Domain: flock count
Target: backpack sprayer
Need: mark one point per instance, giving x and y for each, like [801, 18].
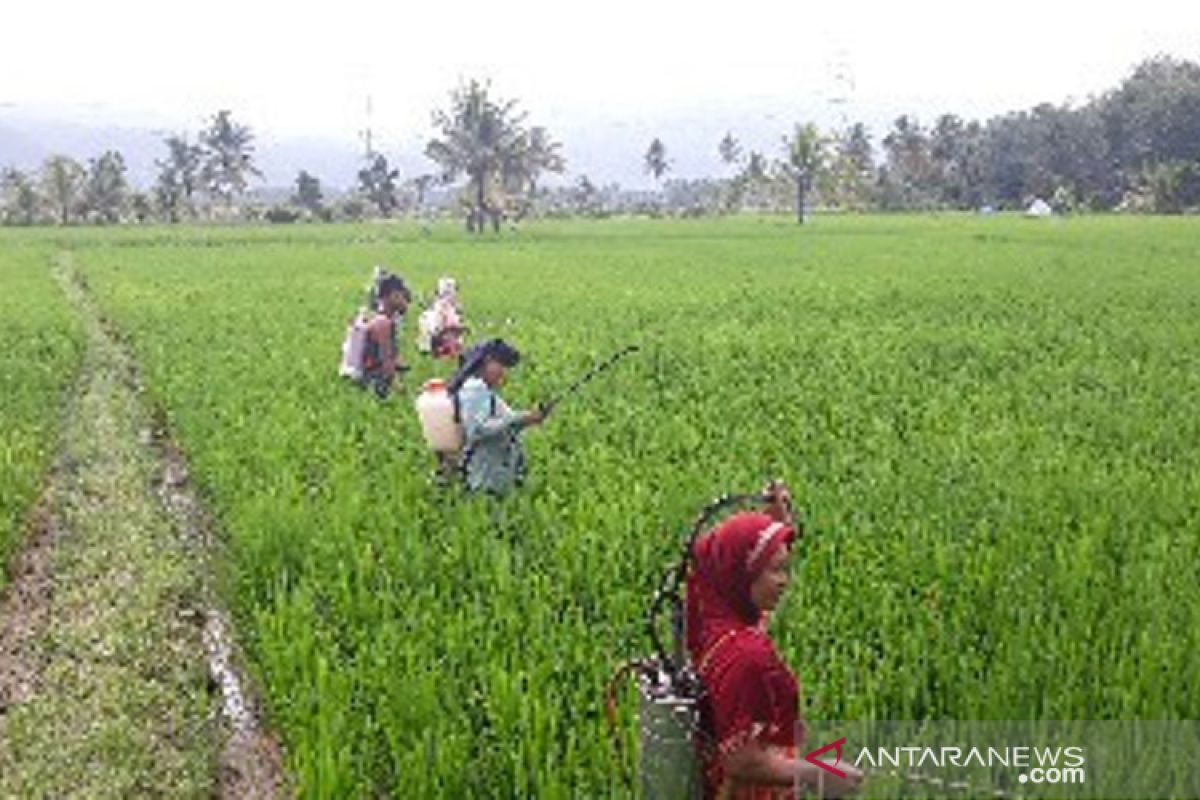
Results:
[669, 689]
[440, 421]
[354, 343]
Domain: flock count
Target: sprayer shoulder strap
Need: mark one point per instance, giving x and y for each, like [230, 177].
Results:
[454, 398]
[712, 650]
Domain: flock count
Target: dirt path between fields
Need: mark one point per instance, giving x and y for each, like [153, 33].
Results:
[118, 673]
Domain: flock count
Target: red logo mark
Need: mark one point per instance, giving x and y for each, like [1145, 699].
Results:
[825, 765]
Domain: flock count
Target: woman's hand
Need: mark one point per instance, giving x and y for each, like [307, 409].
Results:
[779, 501]
[752, 764]
[823, 783]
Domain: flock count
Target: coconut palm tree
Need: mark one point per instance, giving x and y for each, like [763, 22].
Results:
[478, 135]
[805, 154]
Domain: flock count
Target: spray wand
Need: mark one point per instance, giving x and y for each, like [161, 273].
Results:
[550, 404]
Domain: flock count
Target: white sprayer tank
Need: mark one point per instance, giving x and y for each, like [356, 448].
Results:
[435, 408]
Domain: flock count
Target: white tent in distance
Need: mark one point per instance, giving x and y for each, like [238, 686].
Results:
[1039, 208]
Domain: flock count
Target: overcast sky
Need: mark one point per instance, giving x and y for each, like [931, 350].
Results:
[291, 68]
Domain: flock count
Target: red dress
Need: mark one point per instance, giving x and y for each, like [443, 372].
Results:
[750, 693]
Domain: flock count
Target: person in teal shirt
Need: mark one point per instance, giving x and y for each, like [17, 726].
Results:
[494, 459]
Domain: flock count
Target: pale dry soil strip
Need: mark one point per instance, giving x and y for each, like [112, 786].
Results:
[115, 660]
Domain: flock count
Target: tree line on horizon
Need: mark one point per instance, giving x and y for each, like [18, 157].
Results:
[1135, 148]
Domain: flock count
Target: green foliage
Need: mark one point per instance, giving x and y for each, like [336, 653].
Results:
[805, 156]
[106, 188]
[308, 193]
[63, 180]
[585, 199]
[847, 181]
[729, 149]
[532, 154]
[1172, 187]
[142, 207]
[909, 168]
[1154, 116]
[178, 178]
[281, 215]
[1095, 153]
[377, 183]
[485, 139]
[989, 425]
[655, 161]
[227, 157]
[40, 349]
[352, 209]
[19, 199]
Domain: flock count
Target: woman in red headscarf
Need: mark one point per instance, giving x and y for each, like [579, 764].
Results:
[751, 714]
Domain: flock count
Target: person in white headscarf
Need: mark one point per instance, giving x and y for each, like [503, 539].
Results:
[441, 326]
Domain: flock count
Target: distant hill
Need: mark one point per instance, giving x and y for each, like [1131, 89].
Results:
[605, 147]
[26, 142]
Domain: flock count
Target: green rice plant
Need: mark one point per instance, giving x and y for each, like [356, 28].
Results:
[41, 345]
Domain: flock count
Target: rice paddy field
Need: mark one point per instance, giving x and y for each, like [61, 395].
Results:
[991, 426]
